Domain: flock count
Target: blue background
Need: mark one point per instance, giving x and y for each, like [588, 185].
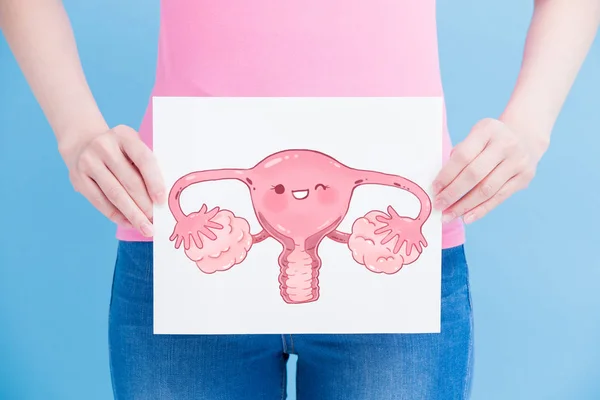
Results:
[534, 264]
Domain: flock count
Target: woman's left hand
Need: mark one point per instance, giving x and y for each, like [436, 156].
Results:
[491, 164]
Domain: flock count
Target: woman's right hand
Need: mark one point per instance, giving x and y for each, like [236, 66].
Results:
[112, 168]
[118, 174]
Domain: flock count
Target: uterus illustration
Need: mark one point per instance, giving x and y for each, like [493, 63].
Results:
[300, 197]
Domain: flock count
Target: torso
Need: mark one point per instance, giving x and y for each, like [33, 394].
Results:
[299, 48]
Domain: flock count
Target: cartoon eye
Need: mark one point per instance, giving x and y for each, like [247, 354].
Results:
[279, 189]
[321, 185]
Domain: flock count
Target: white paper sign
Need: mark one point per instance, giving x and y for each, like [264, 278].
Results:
[297, 215]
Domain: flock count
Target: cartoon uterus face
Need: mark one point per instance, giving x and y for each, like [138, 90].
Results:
[300, 193]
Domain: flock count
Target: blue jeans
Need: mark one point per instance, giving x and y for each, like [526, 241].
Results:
[248, 367]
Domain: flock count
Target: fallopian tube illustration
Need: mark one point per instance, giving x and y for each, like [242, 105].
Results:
[299, 198]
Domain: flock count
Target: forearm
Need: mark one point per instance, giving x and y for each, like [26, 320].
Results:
[558, 40]
[40, 36]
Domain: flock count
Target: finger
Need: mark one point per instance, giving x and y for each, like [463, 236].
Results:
[463, 154]
[207, 232]
[408, 249]
[178, 241]
[145, 161]
[470, 176]
[214, 225]
[393, 214]
[417, 247]
[119, 197]
[174, 236]
[92, 192]
[383, 219]
[187, 241]
[129, 177]
[212, 213]
[487, 188]
[391, 235]
[504, 193]
[203, 209]
[399, 244]
[197, 240]
[383, 229]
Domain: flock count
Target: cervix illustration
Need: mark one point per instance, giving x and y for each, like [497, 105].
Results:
[299, 198]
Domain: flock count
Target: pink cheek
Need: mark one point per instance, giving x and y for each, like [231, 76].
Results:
[328, 196]
[275, 202]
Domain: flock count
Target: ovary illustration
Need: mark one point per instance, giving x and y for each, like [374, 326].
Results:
[299, 198]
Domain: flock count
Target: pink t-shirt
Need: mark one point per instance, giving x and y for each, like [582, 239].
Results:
[298, 48]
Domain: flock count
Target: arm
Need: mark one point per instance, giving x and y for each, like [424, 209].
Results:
[559, 37]
[500, 157]
[112, 168]
[40, 37]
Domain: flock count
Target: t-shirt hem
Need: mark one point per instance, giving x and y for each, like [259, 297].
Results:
[454, 239]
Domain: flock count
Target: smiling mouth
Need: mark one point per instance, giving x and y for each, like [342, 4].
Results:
[300, 194]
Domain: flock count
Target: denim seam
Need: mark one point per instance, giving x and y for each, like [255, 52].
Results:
[469, 372]
[284, 373]
[284, 344]
[110, 364]
[292, 344]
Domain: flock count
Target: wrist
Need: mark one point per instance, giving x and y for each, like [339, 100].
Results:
[71, 139]
[533, 125]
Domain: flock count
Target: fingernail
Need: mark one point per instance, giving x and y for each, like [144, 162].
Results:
[448, 217]
[469, 218]
[440, 204]
[159, 197]
[437, 187]
[146, 229]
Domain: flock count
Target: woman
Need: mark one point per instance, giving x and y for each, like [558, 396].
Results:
[307, 48]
